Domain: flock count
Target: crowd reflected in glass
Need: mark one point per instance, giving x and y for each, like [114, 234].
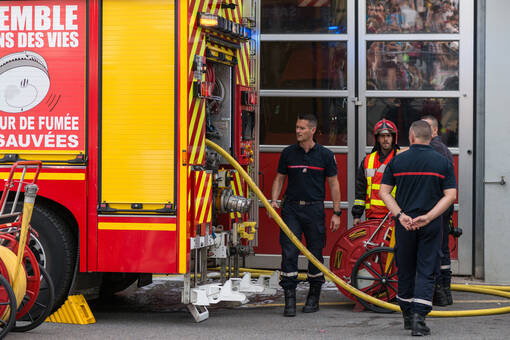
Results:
[412, 16]
[304, 65]
[404, 111]
[303, 16]
[413, 65]
[279, 114]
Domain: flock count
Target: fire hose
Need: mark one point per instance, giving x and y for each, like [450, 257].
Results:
[481, 289]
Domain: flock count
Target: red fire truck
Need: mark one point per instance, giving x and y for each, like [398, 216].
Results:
[117, 98]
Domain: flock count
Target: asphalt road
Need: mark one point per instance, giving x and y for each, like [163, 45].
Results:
[154, 312]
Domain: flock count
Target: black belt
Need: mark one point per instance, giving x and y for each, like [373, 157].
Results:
[305, 202]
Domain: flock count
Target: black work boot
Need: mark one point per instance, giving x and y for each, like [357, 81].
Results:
[440, 296]
[418, 326]
[449, 297]
[408, 320]
[290, 302]
[447, 281]
[312, 300]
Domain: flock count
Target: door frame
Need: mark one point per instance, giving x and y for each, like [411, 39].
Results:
[465, 95]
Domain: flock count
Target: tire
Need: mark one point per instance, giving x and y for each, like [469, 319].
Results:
[54, 247]
[59, 246]
[41, 309]
[372, 274]
[7, 299]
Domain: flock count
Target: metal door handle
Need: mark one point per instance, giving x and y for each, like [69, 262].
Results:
[500, 182]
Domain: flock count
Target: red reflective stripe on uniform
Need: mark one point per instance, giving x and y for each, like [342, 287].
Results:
[419, 174]
[305, 166]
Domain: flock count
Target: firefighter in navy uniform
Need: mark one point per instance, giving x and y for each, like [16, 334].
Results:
[307, 165]
[370, 172]
[426, 188]
[442, 292]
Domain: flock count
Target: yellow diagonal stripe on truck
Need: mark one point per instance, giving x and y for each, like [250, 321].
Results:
[136, 226]
[245, 59]
[200, 181]
[193, 17]
[193, 119]
[205, 200]
[197, 144]
[194, 48]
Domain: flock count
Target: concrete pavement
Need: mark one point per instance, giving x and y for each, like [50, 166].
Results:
[154, 312]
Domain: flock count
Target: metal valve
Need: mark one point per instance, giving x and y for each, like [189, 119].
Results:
[226, 201]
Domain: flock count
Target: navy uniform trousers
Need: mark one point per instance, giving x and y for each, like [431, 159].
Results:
[445, 275]
[418, 253]
[307, 220]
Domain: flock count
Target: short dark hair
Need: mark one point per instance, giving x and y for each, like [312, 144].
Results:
[432, 119]
[312, 119]
[421, 130]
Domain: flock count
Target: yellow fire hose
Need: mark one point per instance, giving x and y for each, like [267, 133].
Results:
[342, 283]
[14, 263]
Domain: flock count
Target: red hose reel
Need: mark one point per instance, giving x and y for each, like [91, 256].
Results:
[374, 271]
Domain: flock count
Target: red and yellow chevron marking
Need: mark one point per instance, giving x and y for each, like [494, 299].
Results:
[196, 106]
[237, 188]
[243, 65]
[234, 15]
[197, 46]
[203, 197]
[242, 69]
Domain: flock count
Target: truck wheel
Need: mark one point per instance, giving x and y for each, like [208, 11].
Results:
[55, 249]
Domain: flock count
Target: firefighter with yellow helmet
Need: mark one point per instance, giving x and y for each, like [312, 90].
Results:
[371, 170]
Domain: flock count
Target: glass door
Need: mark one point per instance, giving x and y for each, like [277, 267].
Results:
[352, 63]
[415, 59]
[307, 65]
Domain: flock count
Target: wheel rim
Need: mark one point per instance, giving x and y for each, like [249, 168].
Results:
[42, 307]
[376, 274]
[32, 271]
[36, 247]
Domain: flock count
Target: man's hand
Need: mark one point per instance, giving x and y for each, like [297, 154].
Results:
[421, 221]
[356, 221]
[275, 206]
[335, 223]
[406, 221]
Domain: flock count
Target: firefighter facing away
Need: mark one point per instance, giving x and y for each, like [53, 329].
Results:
[442, 292]
[426, 187]
[307, 165]
[371, 170]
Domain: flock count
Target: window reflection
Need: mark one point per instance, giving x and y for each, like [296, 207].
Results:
[413, 65]
[412, 16]
[404, 111]
[303, 16]
[304, 65]
[279, 114]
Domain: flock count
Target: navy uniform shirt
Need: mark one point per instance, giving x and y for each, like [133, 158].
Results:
[306, 171]
[420, 174]
[439, 146]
